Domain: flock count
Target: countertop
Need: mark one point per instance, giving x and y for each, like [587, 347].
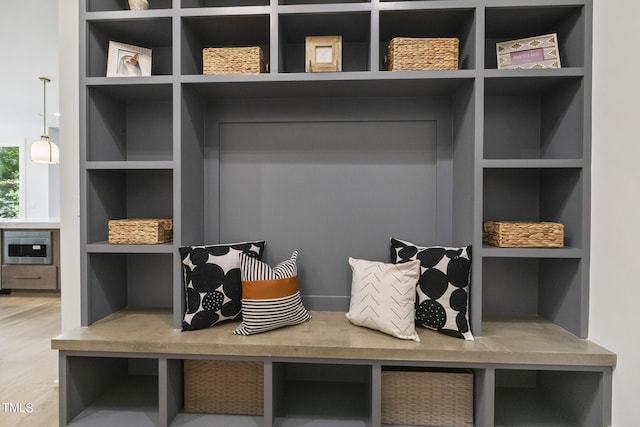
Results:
[28, 225]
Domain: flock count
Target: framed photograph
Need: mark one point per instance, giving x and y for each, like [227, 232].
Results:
[323, 53]
[530, 53]
[125, 60]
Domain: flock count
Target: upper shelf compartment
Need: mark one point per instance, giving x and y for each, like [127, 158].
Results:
[436, 23]
[149, 33]
[129, 123]
[354, 27]
[109, 5]
[539, 117]
[223, 3]
[284, 2]
[568, 22]
[199, 32]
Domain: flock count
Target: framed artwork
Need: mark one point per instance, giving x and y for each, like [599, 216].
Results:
[323, 54]
[530, 53]
[125, 60]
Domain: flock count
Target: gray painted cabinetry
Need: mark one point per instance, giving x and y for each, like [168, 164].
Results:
[333, 164]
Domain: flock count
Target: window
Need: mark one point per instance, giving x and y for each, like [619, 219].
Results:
[10, 182]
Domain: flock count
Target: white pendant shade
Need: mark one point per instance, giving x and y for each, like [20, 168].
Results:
[45, 151]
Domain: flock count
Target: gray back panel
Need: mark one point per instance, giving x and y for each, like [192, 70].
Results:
[369, 180]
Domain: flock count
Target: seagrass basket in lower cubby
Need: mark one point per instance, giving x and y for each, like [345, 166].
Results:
[138, 231]
[422, 54]
[523, 234]
[427, 398]
[233, 60]
[223, 387]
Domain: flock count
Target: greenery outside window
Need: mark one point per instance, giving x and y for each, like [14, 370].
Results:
[10, 182]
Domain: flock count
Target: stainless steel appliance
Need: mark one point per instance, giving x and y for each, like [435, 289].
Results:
[26, 247]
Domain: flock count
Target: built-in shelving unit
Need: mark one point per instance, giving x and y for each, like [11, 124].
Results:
[333, 164]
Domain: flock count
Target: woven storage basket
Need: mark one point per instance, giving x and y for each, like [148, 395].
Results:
[223, 387]
[140, 231]
[417, 54]
[518, 234]
[426, 398]
[233, 60]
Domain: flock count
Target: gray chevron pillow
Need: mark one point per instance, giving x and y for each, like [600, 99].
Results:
[383, 297]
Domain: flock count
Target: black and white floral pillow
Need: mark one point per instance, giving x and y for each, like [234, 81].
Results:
[442, 300]
[212, 282]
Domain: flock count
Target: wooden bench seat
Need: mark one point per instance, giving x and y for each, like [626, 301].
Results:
[330, 335]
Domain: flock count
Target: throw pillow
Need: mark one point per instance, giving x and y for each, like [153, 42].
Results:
[442, 301]
[383, 297]
[212, 282]
[270, 296]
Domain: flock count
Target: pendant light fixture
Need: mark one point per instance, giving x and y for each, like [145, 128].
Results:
[44, 150]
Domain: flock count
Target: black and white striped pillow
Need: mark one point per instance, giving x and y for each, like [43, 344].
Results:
[270, 296]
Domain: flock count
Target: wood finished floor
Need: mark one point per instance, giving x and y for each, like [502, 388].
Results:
[28, 366]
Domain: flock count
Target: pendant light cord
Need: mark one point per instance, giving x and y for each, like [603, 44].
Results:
[44, 96]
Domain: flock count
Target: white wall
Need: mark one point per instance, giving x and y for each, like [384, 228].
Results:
[616, 198]
[29, 33]
[69, 164]
[615, 240]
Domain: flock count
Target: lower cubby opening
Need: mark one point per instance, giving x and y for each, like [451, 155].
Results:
[136, 281]
[103, 391]
[315, 395]
[548, 398]
[219, 392]
[208, 420]
[550, 288]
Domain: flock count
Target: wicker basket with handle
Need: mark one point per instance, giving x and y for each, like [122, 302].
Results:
[419, 54]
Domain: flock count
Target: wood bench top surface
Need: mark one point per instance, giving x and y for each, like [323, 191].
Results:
[329, 335]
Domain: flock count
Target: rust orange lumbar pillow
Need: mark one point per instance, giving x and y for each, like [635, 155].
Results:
[270, 296]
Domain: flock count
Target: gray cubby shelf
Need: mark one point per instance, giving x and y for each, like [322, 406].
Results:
[151, 32]
[403, 20]
[353, 26]
[204, 31]
[120, 119]
[118, 280]
[115, 5]
[121, 391]
[546, 397]
[537, 194]
[333, 164]
[105, 247]
[534, 117]
[570, 20]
